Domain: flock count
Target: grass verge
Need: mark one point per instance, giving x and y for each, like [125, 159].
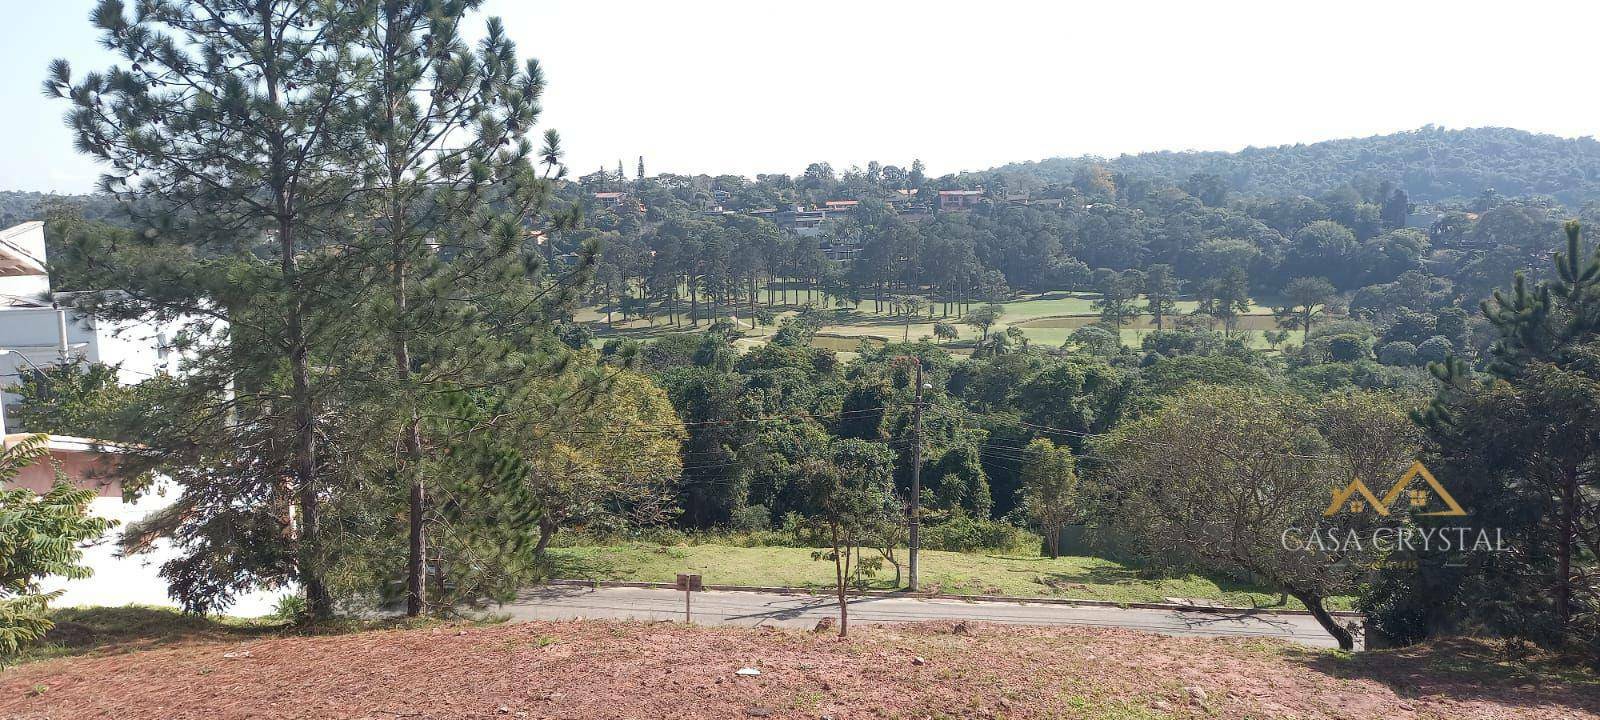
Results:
[1087, 578]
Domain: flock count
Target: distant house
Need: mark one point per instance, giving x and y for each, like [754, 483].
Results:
[802, 221]
[839, 249]
[618, 201]
[840, 205]
[950, 200]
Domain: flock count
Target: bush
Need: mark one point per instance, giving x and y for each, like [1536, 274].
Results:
[1095, 340]
[1399, 353]
[1435, 349]
[40, 536]
[964, 534]
[289, 608]
[1348, 348]
[753, 518]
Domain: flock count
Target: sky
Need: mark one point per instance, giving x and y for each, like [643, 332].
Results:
[757, 86]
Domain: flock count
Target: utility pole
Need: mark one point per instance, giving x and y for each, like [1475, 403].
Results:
[916, 482]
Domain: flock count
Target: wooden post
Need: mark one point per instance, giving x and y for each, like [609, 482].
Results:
[688, 583]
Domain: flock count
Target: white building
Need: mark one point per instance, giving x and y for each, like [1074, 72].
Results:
[36, 332]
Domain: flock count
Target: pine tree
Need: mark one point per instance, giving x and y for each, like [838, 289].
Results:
[1516, 443]
[224, 136]
[640, 175]
[450, 165]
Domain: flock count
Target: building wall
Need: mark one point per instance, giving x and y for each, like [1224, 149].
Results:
[136, 580]
[139, 350]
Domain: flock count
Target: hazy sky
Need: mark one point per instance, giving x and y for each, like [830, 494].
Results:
[748, 86]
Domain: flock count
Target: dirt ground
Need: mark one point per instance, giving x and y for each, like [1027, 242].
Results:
[597, 669]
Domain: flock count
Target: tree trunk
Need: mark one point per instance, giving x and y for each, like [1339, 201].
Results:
[694, 303]
[309, 542]
[411, 459]
[1569, 511]
[840, 571]
[1313, 603]
[547, 530]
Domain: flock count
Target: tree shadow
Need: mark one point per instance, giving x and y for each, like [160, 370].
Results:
[1464, 669]
[557, 564]
[1084, 581]
[117, 630]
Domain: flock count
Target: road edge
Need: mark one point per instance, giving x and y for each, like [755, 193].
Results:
[1081, 602]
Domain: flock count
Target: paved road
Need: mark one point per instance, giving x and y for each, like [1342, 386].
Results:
[803, 611]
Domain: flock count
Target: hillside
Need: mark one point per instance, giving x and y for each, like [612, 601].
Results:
[1433, 164]
[19, 207]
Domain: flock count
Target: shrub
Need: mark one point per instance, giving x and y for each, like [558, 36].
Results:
[752, 518]
[1348, 348]
[1095, 340]
[964, 534]
[40, 536]
[1435, 349]
[289, 608]
[1399, 353]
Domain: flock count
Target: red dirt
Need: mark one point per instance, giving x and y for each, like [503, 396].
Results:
[595, 669]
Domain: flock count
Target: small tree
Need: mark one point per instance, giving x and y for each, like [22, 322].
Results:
[849, 494]
[1220, 477]
[1161, 288]
[1225, 297]
[945, 332]
[1095, 340]
[1049, 490]
[1119, 293]
[984, 318]
[910, 307]
[1304, 300]
[39, 537]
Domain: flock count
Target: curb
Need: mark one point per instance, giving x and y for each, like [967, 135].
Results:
[786, 590]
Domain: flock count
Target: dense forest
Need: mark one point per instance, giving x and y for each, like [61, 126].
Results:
[1432, 164]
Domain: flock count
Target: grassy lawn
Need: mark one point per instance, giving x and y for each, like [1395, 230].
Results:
[1087, 578]
[1045, 318]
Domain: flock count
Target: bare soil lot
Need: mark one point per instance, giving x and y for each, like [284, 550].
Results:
[597, 669]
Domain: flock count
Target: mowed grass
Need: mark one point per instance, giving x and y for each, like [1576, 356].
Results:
[1044, 318]
[1087, 578]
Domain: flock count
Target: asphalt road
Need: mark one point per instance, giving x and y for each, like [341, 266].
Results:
[803, 611]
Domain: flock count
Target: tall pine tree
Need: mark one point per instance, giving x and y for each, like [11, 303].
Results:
[224, 134]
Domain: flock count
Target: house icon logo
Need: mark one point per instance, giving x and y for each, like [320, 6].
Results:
[1357, 497]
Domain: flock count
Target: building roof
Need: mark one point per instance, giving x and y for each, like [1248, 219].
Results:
[14, 259]
[960, 192]
[607, 195]
[70, 444]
